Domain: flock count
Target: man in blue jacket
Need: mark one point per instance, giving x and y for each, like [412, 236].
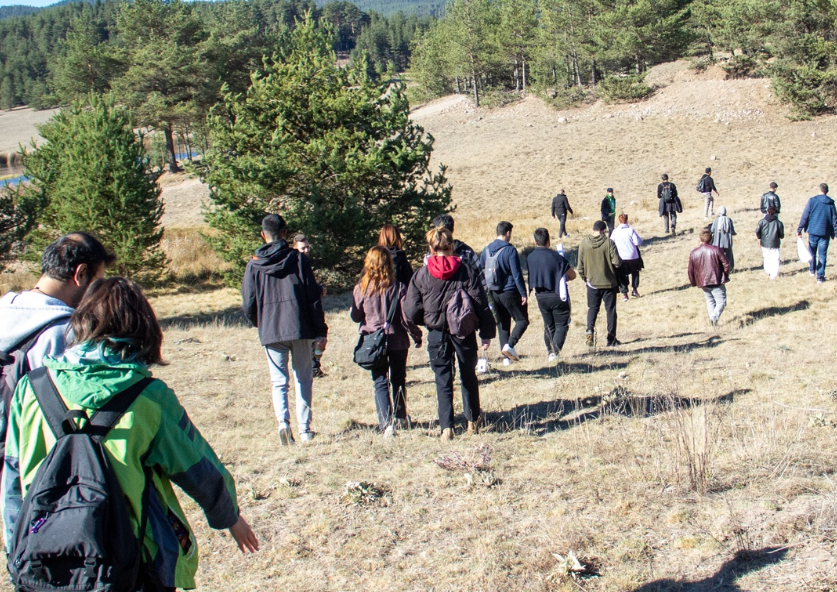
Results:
[819, 220]
[504, 280]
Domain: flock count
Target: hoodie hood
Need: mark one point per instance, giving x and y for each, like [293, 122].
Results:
[722, 211]
[824, 199]
[23, 314]
[597, 241]
[443, 268]
[276, 257]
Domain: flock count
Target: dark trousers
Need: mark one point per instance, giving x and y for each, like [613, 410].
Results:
[444, 350]
[562, 229]
[610, 221]
[628, 274]
[594, 303]
[507, 306]
[670, 218]
[395, 374]
[556, 320]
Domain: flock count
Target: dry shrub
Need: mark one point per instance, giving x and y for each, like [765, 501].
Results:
[190, 258]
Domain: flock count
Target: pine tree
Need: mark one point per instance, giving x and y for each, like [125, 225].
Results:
[92, 174]
[332, 151]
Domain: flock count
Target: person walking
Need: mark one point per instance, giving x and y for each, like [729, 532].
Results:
[34, 323]
[709, 270]
[627, 243]
[598, 262]
[116, 338]
[460, 249]
[609, 209]
[770, 199]
[390, 239]
[560, 208]
[281, 297]
[770, 232]
[548, 273]
[705, 186]
[377, 296]
[669, 204]
[301, 244]
[504, 279]
[722, 232]
[819, 220]
[430, 292]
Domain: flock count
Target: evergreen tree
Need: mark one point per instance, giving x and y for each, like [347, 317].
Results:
[92, 174]
[329, 149]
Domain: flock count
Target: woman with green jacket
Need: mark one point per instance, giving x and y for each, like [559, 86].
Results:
[116, 338]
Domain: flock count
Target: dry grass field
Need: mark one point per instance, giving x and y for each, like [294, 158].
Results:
[688, 459]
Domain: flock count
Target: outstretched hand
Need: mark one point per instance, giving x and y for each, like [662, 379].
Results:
[244, 536]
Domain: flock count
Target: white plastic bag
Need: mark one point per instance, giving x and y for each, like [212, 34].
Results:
[482, 366]
[804, 251]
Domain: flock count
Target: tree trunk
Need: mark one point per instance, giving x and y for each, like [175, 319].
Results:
[593, 77]
[458, 88]
[638, 65]
[173, 168]
[524, 76]
[476, 92]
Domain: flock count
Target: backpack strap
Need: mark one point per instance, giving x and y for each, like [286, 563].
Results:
[111, 412]
[25, 344]
[51, 403]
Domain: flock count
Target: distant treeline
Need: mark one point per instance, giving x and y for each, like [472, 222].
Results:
[568, 47]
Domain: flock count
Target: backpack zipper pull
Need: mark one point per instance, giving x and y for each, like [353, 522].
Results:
[37, 526]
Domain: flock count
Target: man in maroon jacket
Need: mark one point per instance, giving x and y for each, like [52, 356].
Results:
[709, 269]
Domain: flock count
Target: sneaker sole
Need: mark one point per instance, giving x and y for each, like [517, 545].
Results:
[510, 356]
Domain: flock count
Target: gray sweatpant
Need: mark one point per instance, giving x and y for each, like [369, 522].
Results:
[716, 300]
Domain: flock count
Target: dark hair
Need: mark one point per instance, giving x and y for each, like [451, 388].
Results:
[390, 237]
[706, 236]
[773, 185]
[665, 176]
[62, 256]
[772, 211]
[708, 170]
[274, 226]
[541, 237]
[504, 228]
[443, 221]
[115, 313]
[824, 187]
[299, 238]
[599, 225]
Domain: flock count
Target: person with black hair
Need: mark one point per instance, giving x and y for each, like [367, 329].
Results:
[770, 199]
[669, 205]
[33, 323]
[560, 209]
[609, 210]
[548, 273]
[705, 187]
[503, 274]
[281, 297]
[598, 266]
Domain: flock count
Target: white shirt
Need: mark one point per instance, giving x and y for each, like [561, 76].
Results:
[627, 241]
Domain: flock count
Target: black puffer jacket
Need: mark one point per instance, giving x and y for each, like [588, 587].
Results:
[281, 297]
[428, 296]
[403, 270]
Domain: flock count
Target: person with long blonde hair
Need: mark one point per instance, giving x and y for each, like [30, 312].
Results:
[390, 238]
[430, 292]
[377, 291]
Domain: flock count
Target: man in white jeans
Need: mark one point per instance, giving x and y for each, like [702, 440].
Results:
[706, 186]
[281, 297]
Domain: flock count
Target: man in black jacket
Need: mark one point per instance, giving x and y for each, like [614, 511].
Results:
[770, 199]
[669, 203]
[281, 297]
[706, 186]
[560, 208]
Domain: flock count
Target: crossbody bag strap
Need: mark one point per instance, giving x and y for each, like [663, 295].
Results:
[392, 307]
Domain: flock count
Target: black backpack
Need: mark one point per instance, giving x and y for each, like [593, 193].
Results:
[14, 365]
[73, 531]
[667, 194]
[371, 349]
[701, 186]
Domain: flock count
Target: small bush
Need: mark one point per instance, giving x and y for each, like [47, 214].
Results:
[700, 65]
[495, 97]
[564, 98]
[740, 66]
[624, 89]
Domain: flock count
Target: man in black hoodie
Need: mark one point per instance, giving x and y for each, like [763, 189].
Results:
[281, 297]
[560, 208]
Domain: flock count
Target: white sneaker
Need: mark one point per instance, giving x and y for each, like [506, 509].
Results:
[552, 358]
[389, 432]
[506, 362]
[509, 352]
[306, 436]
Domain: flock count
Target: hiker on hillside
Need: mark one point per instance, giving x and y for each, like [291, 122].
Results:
[560, 208]
[460, 249]
[390, 239]
[627, 243]
[281, 297]
[33, 323]
[770, 232]
[302, 245]
[819, 220]
[598, 263]
[504, 279]
[770, 199]
[549, 273]
[431, 291]
[669, 204]
[709, 270]
[705, 187]
[376, 298]
[722, 232]
[116, 338]
[609, 209]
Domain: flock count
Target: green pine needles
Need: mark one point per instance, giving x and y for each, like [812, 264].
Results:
[93, 175]
[331, 150]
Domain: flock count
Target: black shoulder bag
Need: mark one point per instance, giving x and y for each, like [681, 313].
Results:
[371, 348]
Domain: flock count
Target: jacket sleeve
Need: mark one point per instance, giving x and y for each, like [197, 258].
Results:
[579, 268]
[313, 295]
[764, 204]
[249, 303]
[356, 311]
[692, 278]
[605, 208]
[803, 221]
[781, 230]
[412, 305]
[732, 228]
[567, 202]
[411, 327]
[833, 221]
[517, 271]
[636, 239]
[674, 190]
[10, 485]
[660, 191]
[778, 204]
[183, 455]
[488, 326]
[759, 228]
[554, 203]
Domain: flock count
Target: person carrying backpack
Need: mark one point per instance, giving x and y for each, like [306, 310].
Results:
[390, 238]
[445, 280]
[560, 209]
[705, 186]
[126, 437]
[770, 199]
[33, 323]
[375, 300]
[670, 204]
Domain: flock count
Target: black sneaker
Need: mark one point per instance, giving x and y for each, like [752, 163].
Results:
[614, 343]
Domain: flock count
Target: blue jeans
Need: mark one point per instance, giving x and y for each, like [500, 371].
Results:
[299, 352]
[819, 249]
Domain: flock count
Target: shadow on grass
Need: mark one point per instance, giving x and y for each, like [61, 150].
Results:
[683, 348]
[771, 311]
[228, 317]
[551, 371]
[675, 289]
[742, 563]
[664, 238]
